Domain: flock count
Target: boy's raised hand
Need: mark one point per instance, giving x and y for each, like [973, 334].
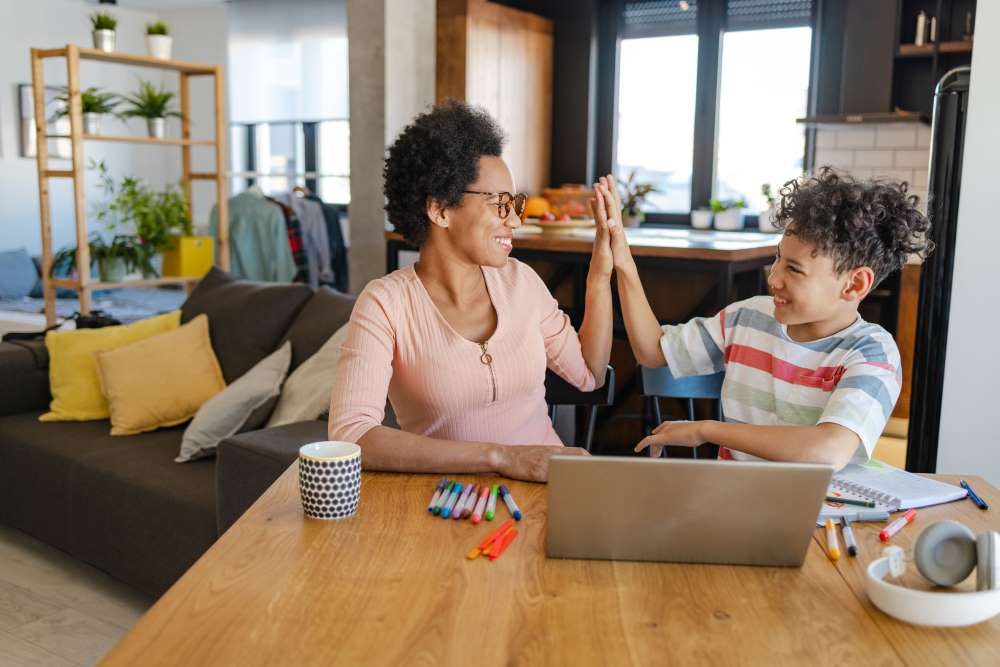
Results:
[601, 260]
[607, 194]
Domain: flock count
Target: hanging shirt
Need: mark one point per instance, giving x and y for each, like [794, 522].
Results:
[295, 242]
[317, 243]
[258, 240]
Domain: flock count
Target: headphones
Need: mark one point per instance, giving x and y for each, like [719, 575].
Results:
[946, 553]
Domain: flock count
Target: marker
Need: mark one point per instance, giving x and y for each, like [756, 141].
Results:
[897, 525]
[490, 539]
[491, 504]
[501, 545]
[470, 503]
[852, 546]
[460, 505]
[980, 503]
[871, 516]
[850, 501]
[509, 500]
[444, 498]
[832, 546]
[456, 489]
[442, 485]
[477, 514]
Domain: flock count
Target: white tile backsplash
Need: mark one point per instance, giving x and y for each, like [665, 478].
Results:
[895, 151]
[896, 135]
[918, 157]
[873, 158]
[834, 158]
[856, 137]
[894, 174]
[920, 179]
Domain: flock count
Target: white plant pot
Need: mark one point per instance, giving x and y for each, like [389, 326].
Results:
[159, 46]
[104, 40]
[632, 220]
[764, 220]
[729, 220]
[701, 219]
[91, 123]
[157, 127]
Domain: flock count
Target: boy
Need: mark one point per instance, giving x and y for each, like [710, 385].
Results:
[806, 378]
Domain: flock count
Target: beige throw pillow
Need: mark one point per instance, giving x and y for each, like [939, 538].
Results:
[306, 394]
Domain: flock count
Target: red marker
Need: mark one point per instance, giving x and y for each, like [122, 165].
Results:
[897, 525]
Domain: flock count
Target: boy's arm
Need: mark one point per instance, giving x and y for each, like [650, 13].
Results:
[643, 328]
[824, 443]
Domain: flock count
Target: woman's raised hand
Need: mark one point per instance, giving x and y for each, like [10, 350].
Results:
[607, 207]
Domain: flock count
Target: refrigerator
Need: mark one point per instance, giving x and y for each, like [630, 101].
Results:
[951, 99]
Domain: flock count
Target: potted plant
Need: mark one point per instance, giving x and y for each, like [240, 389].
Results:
[114, 260]
[158, 40]
[94, 104]
[152, 104]
[633, 195]
[728, 213]
[153, 218]
[765, 220]
[103, 24]
[701, 218]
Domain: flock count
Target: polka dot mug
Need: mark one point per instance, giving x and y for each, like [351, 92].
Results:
[330, 479]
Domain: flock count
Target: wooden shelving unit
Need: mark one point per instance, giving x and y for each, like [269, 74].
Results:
[73, 55]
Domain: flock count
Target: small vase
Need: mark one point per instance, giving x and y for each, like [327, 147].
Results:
[159, 46]
[730, 219]
[701, 219]
[104, 40]
[157, 127]
[91, 123]
[632, 220]
[764, 220]
[111, 269]
[156, 261]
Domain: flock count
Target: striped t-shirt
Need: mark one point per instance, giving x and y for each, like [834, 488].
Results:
[851, 378]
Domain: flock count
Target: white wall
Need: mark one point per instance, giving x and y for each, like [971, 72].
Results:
[969, 442]
[199, 34]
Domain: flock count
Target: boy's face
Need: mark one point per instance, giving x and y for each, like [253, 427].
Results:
[806, 287]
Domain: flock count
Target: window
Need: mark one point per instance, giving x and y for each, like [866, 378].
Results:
[707, 98]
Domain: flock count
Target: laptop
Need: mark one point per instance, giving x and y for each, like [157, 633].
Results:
[684, 511]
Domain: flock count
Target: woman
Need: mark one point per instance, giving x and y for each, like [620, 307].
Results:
[460, 341]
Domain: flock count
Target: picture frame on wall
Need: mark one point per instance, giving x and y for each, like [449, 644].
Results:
[60, 148]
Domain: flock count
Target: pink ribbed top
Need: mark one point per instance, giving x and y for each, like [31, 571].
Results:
[398, 344]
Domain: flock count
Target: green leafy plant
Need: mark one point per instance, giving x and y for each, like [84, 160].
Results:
[92, 100]
[768, 192]
[122, 247]
[157, 28]
[634, 194]
[103, 21]
[151, 217]
[720, 205]
[149, 102]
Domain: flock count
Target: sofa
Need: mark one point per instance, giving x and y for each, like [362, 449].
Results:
[121, 503]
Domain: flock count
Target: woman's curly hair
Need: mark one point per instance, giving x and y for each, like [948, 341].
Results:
[874, 223]
[436, 157]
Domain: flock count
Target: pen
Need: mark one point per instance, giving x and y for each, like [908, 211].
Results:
[850, 501]
[456, 489]
[980, 503]
[443, 500]
[470, 502]
[897, 525]
[491, 504]
[460, 505]
[442, 485]
[477, 514]
[852, 546]
[832, 546]
[509, 500]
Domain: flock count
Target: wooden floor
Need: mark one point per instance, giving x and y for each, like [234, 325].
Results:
[55, 610]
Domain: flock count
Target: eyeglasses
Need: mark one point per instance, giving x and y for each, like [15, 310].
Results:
[505, 201]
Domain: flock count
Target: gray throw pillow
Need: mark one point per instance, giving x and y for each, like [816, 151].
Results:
[225, 413]
[17, 274]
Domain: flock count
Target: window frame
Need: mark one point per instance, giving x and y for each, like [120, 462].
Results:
[710, 27]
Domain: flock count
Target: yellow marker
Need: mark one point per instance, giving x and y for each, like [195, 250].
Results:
[832, 546]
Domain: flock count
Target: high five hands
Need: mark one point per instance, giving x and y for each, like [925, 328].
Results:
[610, 235]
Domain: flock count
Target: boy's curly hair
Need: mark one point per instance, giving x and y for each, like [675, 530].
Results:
[873, 223]
[436, 157]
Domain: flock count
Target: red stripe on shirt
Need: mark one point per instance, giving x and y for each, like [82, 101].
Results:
[824, 377]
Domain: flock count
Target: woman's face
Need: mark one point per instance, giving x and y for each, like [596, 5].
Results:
[475, 228]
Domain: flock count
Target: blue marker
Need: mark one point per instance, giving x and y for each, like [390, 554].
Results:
[436, 500]
[511, 505]
[456, 490]
[980, 503]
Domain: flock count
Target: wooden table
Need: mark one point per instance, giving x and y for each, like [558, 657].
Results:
[392, 585]
[725, 255]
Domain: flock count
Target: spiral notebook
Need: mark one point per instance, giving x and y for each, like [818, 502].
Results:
[890, 488]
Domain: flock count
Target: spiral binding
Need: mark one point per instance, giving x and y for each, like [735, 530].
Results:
[868, 493]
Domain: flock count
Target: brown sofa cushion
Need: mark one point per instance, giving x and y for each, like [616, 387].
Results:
[246, 320]
[323, 314]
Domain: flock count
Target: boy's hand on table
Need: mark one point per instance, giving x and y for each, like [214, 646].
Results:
[675, 433]
[529, 462]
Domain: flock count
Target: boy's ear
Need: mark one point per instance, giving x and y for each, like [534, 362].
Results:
[860, 282]
[436, 213]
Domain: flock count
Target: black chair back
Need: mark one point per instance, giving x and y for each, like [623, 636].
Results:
[559, 392]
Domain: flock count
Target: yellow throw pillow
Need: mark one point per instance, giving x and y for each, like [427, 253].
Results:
[160, 381]
[76, 392]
